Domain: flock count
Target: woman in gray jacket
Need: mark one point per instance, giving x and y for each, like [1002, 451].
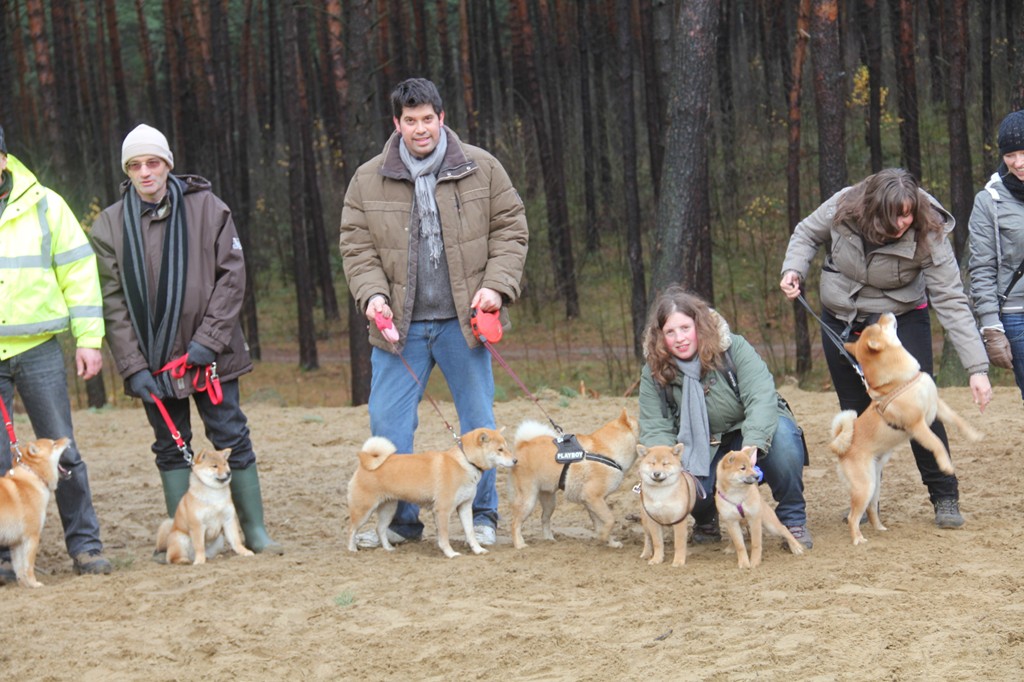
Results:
[889, 252]
[997, 252]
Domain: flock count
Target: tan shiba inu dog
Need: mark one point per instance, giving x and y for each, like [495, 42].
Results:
[24, 493]
[667, 496]
[444, 480]
[905, 403]
[739, 503]
[611, 451]
[205, 514]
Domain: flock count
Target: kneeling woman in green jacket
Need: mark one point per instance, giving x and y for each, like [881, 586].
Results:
[707, 388]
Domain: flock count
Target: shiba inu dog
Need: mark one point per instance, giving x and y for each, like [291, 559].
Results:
[667, 496]
[442, 479]
[610, 452]
[739, 503]
[904, 404]
[24, 493]
[205, 515]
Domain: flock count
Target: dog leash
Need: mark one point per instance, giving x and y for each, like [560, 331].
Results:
[487, 328]
[179, 367]
[836, 339]
[62, 473]
[175, 433]
[9, 425]
[387, 329]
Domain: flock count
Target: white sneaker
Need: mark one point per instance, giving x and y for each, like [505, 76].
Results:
[368, 539]
[485, 535]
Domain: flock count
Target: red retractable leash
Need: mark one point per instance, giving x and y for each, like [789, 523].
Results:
[390, 334]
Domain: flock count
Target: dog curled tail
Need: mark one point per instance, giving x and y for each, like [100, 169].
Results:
[842, 432]
[375, 452]
[530, 429]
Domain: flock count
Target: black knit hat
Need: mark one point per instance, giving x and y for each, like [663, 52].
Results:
[1011, 133]
[3, 143]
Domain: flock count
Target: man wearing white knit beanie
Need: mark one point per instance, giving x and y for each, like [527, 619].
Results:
[173, 277]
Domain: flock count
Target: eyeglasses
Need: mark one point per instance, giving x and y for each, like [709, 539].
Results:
[151, 164]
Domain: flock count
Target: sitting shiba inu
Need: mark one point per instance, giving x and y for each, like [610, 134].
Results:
[667, 496]
[444, 480]
[205, 515]
[739, 502]
[905, 403]
[609, 453]
[24, 493]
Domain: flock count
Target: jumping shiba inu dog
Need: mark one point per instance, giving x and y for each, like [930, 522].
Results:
[610, 452]
[739, 502]
[667, 496]
[205, 515]
[24, 493]
[444, 480]
[905, 403]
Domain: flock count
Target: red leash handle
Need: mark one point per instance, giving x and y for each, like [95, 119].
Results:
[210, 381]
[386, 328]
[486, 325]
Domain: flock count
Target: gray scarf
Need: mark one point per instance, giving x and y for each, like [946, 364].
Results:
[424, 174]
[694, 432]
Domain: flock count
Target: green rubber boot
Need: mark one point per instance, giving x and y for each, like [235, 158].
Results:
[245, 493]
[175, 483]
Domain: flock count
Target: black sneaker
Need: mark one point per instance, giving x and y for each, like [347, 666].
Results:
[947, 513]
[92, 563]
[706, 533]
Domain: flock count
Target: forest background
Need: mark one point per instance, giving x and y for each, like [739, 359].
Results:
[652, 141]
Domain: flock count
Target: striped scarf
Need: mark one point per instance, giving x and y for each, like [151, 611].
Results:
[157, 327]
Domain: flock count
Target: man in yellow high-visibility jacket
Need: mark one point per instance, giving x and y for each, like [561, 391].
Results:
[48, 284]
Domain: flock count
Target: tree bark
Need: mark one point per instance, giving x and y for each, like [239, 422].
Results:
[361, 126]
[682, 237]
[830, 97]
[803, 338]
[631, 193]
[870, 23]
[296, 189]
[961, 183]
[906, 84]
[551, 158]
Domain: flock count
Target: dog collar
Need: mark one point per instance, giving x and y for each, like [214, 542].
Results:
[739, 507]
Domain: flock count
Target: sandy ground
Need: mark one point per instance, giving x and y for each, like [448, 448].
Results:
[915, 603]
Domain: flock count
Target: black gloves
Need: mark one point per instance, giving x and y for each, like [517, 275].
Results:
[199, 355]
[142, 383]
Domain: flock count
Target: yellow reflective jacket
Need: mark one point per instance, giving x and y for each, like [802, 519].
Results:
[48, 273]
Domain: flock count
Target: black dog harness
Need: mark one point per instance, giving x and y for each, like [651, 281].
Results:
[569, 451]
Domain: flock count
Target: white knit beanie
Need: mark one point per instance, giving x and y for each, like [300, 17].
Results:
[145, 141]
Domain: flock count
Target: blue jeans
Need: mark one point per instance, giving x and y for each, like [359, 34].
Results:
[226, 427]
[40, 378]
[1014, 326]
[395, 397]
[782, 468]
